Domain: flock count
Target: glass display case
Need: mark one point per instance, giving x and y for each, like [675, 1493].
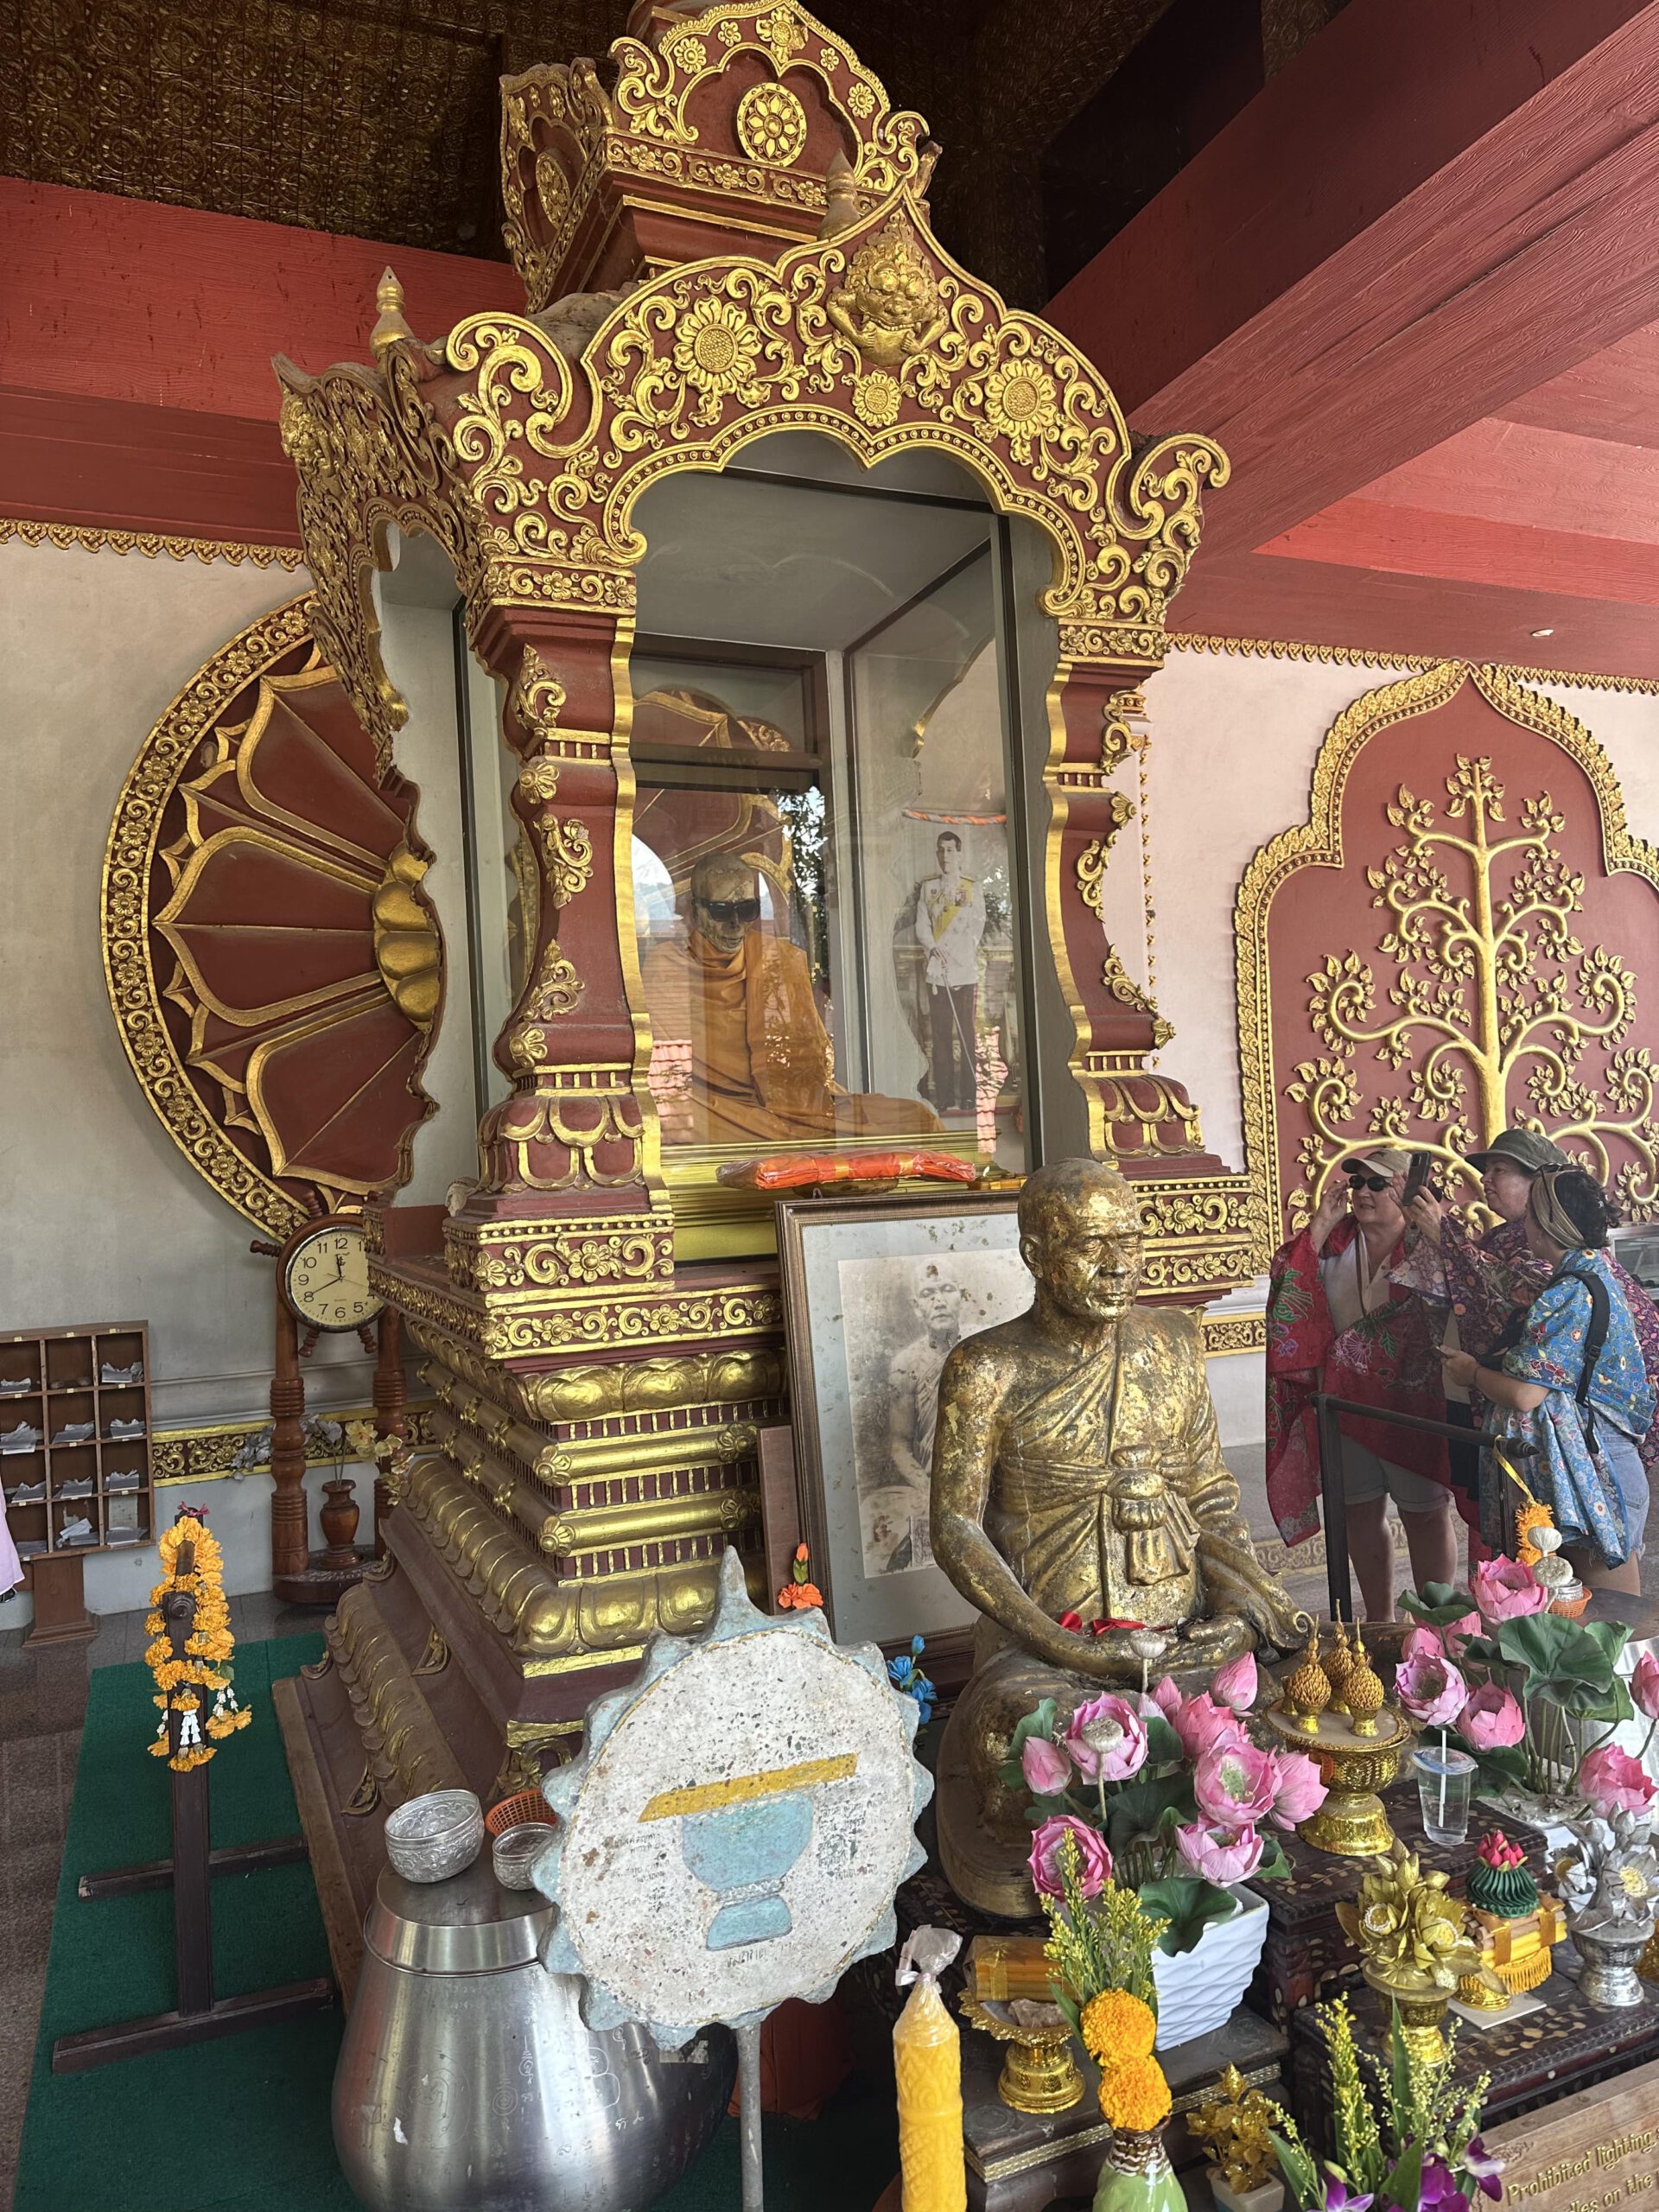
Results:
[824, 875]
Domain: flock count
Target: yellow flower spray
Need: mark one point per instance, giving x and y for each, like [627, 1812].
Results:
[184, 1685]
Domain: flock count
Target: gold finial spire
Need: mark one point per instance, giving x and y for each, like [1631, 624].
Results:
[1338, 1666]
[843, 207]
[389, 325]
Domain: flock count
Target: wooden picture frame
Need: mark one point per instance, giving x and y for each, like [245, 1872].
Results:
[851, 1268]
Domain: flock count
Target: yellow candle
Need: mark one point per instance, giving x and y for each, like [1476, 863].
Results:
[927, 2059]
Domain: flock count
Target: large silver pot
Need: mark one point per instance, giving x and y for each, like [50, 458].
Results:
[467, 2081]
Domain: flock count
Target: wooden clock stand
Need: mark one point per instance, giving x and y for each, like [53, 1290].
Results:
[299, 1576]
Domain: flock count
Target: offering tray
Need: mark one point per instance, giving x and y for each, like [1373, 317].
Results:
[1353, 1822]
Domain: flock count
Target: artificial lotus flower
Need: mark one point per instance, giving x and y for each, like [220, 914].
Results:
[1422, 1642]
[1301, 1790]
[1644, 1686]
[1235, 1784]
[1094, 1860]
[1202, 1724]
[1167, 1697]
[1614, 1783]
[1047, 1768]
[1106, 1738]
[1492, 1719]
[1236, 1684]
[1506, 1590]
[1219, 1855]
[1432, 1690]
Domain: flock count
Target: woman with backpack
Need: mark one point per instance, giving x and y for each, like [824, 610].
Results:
[1571, 1381]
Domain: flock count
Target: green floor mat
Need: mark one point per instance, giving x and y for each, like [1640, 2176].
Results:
[241, 2124]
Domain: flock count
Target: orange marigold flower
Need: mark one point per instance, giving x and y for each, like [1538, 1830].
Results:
[1117, 2026]
[1135, 2095]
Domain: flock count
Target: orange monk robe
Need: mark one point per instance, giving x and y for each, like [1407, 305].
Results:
[760, 1057]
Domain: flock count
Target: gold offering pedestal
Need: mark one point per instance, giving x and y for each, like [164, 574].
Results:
[1353, 1822]
[1008, 1996]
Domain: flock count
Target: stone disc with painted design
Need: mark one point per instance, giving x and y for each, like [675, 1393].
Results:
[737, 1825]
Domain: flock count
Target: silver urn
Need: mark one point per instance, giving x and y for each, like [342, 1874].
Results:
[467, 2081]
[1610, 1952]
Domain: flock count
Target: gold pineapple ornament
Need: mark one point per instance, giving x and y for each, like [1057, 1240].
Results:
[1338, 1666]
[1362, 1690]
[1308, 1691]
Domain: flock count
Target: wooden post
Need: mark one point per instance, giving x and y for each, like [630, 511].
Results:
[196, 2017]
[391, 1394]
[290, 1549]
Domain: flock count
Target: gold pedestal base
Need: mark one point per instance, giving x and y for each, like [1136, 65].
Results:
[1352, 1823]
[1039, 2073]
[1420, 2018]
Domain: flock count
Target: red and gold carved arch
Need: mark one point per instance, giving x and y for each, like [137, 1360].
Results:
[1452, 942]
[275, 969]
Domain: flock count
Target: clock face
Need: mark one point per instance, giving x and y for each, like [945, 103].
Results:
[326, 1278]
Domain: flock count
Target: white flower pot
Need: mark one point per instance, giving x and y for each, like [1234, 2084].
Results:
[1269, 2197]
[1199, 1990]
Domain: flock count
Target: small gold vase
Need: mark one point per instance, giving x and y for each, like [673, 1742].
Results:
[1422, 2016]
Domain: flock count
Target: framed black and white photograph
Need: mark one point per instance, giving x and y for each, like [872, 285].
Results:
[876, 1294]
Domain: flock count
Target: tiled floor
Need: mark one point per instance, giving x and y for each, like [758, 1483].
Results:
[42, 1702]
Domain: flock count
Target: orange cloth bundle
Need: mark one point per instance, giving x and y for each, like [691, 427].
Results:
[793, 1170]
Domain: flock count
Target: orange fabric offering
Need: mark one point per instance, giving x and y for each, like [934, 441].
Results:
[793, 1170]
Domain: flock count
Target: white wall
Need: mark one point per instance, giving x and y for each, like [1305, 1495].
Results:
[105, 1220]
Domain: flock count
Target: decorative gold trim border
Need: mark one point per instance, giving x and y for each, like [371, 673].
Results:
[86, 538]
[1318, 842]
[1225, 1334]
[216, 1450]
[128, 859]
[1359, 657]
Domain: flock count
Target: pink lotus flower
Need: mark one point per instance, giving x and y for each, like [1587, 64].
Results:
[1432, 1690]
[1301, 1790]
[1094, 1860]
[1235, 1683]
[1614, 1783]
[1167, 1697]
[1506, 1590]
[1107, 1739]
[1202, 1724]
[1454, 1632]
[1644, 1686]
[1222, 1855]
[1492, 1720]
[1422, 1642]
[1236, 1784]
[1047, 1770]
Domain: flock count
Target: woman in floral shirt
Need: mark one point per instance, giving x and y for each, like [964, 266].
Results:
[1588, 1470]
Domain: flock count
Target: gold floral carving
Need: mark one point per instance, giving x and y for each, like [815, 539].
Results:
[1091, 861]
[153, 545]
[407, 951]
[771, 125]
[1486, 972]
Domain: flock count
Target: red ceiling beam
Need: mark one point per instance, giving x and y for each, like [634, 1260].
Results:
[1434, 209]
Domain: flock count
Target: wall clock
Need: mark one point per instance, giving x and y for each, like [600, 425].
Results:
[324, 1275]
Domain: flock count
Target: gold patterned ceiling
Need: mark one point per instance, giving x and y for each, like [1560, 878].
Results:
[379, 118]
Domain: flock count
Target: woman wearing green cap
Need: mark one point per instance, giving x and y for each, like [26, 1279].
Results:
[1571, 1382]
[1489, 1276]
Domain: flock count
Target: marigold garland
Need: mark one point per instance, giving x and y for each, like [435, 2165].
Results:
[184, 1685]
[1117, 2026]
[1134, 2096]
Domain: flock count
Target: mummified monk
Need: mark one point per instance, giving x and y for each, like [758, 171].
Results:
[760, 1060]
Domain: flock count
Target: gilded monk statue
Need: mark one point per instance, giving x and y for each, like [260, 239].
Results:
[739, 1002]
[1076, 1469]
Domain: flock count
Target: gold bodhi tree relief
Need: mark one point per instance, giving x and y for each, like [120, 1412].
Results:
[1449, 945]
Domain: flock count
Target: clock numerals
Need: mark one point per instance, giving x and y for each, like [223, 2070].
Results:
[327, 1282]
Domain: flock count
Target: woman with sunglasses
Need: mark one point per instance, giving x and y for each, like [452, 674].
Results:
[1337, 1322]
[1574, 1384]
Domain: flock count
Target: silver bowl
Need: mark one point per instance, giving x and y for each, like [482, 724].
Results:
[515, 1851]
[431, 1838]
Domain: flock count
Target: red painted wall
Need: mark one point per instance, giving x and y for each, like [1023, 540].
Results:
[136, 385]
